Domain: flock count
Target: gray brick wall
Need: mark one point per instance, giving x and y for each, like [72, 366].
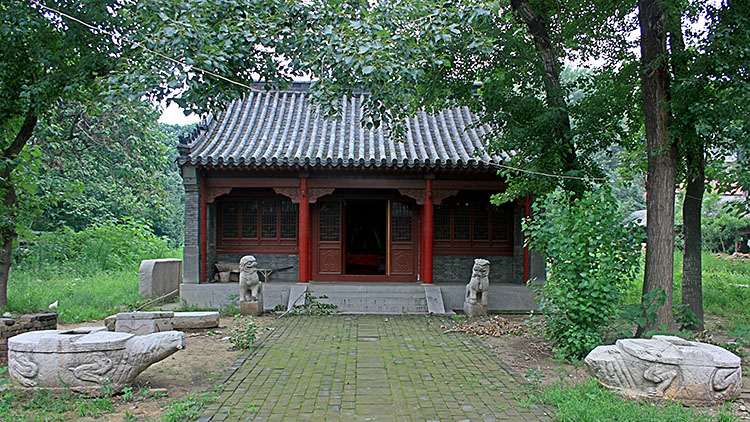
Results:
[503, 269]
[191, 255]
[270, 261]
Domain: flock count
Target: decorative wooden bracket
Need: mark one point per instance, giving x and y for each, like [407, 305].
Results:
[291, 193]
[315, 193]
[441, 194]
[213, 193]
[415, 194]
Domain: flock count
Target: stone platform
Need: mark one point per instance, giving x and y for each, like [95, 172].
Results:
[370, 297]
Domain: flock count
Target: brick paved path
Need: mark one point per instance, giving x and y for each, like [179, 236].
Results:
[369, 368]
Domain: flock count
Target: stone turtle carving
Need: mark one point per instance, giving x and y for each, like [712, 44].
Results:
[475, 302]
[668, 367]
[91, 361]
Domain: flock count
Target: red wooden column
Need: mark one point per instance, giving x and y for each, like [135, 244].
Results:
[202, 227]
[427, 234]
[304, 232]
[526, 214]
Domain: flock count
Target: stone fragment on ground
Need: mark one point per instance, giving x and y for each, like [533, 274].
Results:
[195, 320]
[668, 367]
[88, 360]
[142, 323]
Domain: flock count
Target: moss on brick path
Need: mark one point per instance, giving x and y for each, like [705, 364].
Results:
[369, 368]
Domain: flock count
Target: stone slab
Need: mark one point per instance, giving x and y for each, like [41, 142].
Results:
[144, 315]
[195, 320]
[434, 298]
[151, 322]
[158, 277]
[296, 295]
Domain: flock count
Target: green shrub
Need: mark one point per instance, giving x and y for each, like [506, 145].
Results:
[592, 258]
[721, 223]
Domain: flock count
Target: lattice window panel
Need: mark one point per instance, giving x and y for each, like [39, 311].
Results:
[288, 220]
[330, 221]
[401, 222]
[230, 215]
[250, 219]
[268, 219]
[500, 223]
[461, 221]
[481, 223]
[442, 222]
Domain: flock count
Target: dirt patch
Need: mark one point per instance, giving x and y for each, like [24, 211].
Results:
[195, 369]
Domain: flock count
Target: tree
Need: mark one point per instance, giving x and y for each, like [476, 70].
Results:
[694, 110]
[91, 163]
[429, 55]
[662, 163]
[42, 60]
[709, 103]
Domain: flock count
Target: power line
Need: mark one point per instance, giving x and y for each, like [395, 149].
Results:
[240, 84]
[156, 53]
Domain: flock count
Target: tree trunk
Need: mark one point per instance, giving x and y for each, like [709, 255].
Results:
[555, 96]
[692, 284]
[662, 164]
[10, 201]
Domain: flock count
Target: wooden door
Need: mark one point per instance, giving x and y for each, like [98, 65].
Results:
[329, 255]
[401, 236]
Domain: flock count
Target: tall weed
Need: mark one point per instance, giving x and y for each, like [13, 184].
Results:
[107, 246]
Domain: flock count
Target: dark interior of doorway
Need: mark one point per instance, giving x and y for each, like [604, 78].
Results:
[365, 236]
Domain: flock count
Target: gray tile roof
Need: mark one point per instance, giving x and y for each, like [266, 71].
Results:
[282, 128]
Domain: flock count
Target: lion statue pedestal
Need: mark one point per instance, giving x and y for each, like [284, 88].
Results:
[475, 302]
[251, 289]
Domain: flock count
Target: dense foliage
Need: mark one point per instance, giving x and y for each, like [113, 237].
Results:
[592, 257]
[92, 164]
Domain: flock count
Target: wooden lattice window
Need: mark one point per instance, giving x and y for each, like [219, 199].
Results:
[330, 221]
[249, 219]
[269, 219]
[442, 221]
[288, 220]
[401, 222]
[246, 222]
[470, 225]
[231, 211]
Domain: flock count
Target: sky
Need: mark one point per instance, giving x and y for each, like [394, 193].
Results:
[173, 115]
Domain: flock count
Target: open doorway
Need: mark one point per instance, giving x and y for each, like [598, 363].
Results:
[365, 236]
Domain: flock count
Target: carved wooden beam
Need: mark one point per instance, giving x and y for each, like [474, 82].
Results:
[213, 193]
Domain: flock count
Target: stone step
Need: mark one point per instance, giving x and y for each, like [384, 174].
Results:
[372, 298]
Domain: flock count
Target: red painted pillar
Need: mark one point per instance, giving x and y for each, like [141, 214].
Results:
[202, 227]
[427, 234]
[304, 232]
[526, 214]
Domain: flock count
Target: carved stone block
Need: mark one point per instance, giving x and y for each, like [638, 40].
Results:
[88, 360]
[668, 367]
[142, 323]
[254, 308]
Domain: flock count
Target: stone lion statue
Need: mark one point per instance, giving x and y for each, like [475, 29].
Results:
[249, 281]
[475, 303]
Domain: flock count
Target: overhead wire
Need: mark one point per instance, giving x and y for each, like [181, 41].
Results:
[253, 89]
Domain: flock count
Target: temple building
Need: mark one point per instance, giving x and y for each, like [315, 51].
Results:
[326, 205]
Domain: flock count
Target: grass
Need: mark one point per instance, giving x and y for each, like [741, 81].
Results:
[80, 298]
[189, 407]
[18, 406]
[589, 402]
